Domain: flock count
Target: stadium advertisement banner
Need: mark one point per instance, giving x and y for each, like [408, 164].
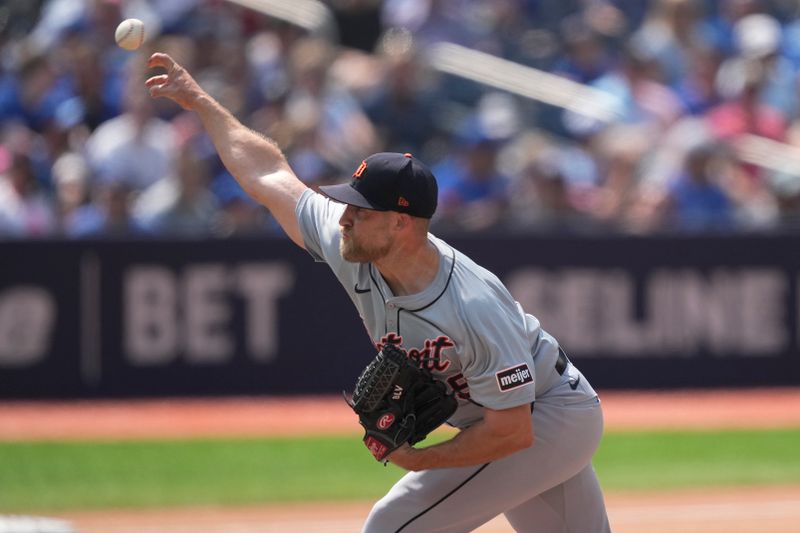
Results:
[259, 316]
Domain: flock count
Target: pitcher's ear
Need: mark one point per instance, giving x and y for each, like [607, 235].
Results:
[402, 220]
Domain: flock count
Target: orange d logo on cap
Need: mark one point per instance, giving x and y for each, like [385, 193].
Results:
[360, 170]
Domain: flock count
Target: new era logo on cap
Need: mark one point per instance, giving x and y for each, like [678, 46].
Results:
[389, 181]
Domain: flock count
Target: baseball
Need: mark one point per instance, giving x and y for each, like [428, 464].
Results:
[130, 34]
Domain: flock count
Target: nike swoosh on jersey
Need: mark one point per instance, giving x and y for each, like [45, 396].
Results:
[360, 291]
[574, 384]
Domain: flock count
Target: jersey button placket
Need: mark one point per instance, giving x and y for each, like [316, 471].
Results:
[391, 321]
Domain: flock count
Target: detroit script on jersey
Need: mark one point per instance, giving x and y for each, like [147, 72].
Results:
[431, 357]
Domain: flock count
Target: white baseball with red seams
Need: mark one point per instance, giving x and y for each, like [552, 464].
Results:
[130, 34]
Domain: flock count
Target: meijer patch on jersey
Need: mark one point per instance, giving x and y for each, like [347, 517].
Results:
[514, 377]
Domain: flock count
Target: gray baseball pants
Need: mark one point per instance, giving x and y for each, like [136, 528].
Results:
[550, 487]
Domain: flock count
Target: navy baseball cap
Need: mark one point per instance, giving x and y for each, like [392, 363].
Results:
[389, 181]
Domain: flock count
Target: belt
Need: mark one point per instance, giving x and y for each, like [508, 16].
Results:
[561, 362]
[561, 366]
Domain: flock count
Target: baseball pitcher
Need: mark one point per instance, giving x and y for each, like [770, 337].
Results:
[529, 421]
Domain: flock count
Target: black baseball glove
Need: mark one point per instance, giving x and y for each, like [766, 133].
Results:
[397, 402]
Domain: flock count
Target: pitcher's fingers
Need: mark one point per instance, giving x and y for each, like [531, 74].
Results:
[156, 80]
[160, 60]
[160, 90]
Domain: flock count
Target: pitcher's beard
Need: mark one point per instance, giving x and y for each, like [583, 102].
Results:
[354, 253]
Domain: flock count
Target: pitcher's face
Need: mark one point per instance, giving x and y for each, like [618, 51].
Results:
[366, 235]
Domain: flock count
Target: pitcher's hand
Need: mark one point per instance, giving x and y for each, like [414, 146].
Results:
[177, 84]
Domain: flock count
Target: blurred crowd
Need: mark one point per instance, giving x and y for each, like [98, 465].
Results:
[704, 94]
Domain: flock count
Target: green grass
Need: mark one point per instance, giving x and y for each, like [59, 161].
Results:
[641, 461]
[158, 473]
[50, 476]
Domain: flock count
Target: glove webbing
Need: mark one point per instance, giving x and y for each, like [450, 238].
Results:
[374, 383]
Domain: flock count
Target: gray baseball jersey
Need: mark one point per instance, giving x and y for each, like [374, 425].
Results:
[468, 330]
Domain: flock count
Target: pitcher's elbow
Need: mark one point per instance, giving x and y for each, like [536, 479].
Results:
[522, 440]
[526, 440]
